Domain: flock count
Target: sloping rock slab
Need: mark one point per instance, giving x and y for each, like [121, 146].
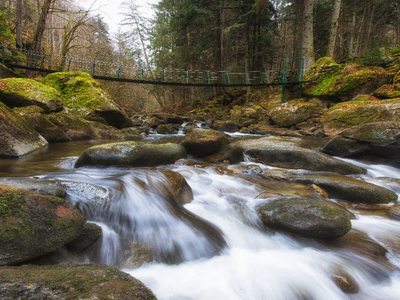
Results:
[131, 153]
[308, 217]
[350, 189]
[17, 92]
[286, 153]
[17, 138]
[70, 281]
[32, 224]
[380, 139]
[43, 188]
[203, 142]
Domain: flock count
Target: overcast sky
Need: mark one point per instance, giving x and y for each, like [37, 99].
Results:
[110, 9]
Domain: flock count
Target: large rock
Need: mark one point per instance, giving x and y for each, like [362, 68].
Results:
[203, 142]
[362, 111]
[343, 82]
[293, 112]
[32, 224]
[40, 187]
[17, 138]
[132, 153]
[18, 92]
[350, 189]
[82, 95]
[379, 139]
[285, 153]
[70, 281]
[308, 217]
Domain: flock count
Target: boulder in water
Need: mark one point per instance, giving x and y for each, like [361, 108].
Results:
[131, 153]
[285, 153]
[348, 188]
[306, 216]
[203, 142]
[90, 234]
[70, 281]
[43, 188]
[32, 224]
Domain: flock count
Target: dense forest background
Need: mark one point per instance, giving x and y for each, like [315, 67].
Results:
[245, 35]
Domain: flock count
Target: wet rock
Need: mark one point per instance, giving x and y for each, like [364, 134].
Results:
[17, 138]
[182, 162]
[166, 129]
[379, 139]
[83, 96]
[359, 243]
[26, 92]
[350, 189]
[250, 169]
[175, 185]
[127, 134]
[59, 256]
[43, 188]
[223, 171]
[225, 126]
[285, 153]
[320, 191]
[394, 211]
[90, 234]
[70, 281]
[305, 216]
[344, 281]
[131, 154]
[203, 142]
[32, 224]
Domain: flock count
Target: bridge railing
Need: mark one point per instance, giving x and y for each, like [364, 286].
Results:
[37, 61]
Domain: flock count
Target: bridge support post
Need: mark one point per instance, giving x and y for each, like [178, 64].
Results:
[119, 69]
[42, 62]
[69, 64]
[2, 52]
[63, 65]
[92, 68]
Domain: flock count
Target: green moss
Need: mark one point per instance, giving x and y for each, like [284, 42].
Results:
[28, 89]
[72, 281]
[78, 90]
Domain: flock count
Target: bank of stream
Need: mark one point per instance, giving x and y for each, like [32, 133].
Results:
[257, 263]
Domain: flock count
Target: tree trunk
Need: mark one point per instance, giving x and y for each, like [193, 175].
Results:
[352, 46]
[334, 26]
[19, 23]
[37, 38]
[308, 34]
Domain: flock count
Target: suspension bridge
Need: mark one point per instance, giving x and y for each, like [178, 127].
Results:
[111, 71]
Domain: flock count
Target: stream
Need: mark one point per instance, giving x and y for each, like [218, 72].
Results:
[257, 263]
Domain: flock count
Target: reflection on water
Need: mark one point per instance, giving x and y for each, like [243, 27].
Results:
[143, 235]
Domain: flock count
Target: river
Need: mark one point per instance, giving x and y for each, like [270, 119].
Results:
[257, 263]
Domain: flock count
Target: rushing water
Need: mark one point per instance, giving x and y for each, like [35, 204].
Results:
[176, 261]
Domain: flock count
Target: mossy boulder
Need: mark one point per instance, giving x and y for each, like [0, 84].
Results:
[41, 123]
[308, 217]
[344, 82]
[17, 92]
[203, 142]
[131, 153]
[17, 138]
[285, 153]
[90, 234]
[293, 112]
[387, 91]
[348, 188]
[363, 111]
[225, 126]
[166, 129]
[125, 134]
[83, 96]
[74, 127]
[71, 281]
[240, 113]
[380, 139]
[32, 224]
